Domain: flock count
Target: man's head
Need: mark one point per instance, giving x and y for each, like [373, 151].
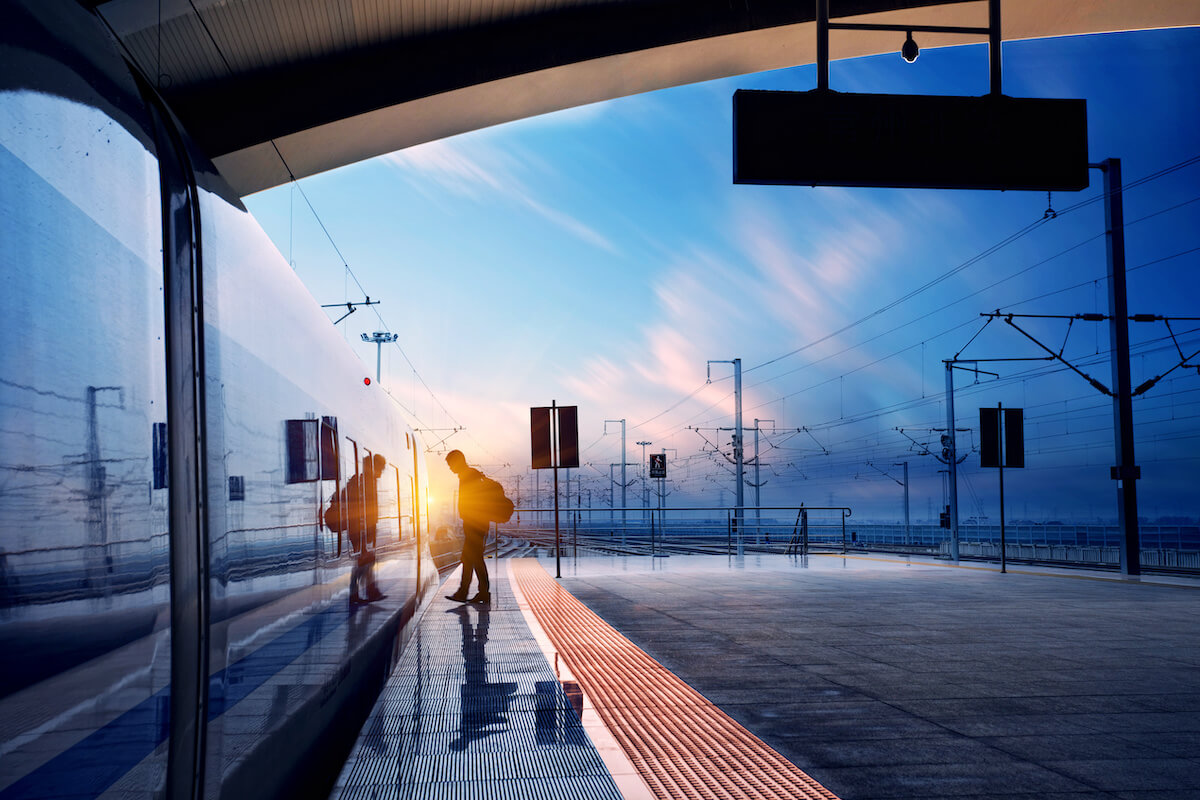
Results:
[379, 463]
[456, 461]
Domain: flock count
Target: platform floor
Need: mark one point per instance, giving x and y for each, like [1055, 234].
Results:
[877, 677]
[886, 678]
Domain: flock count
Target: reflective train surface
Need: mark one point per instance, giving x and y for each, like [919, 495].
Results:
[175, 413]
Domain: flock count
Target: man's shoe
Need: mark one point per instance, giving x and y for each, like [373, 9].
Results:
[458, 597]
[482, 597]
[374, 594]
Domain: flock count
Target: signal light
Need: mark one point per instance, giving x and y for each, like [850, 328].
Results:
[366, 381]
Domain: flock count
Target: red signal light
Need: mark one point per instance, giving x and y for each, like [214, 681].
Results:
[366, 381]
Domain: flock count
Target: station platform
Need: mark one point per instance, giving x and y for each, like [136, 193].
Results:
[857, 677]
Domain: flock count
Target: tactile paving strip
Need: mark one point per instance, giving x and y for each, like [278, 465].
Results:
[683, 746]
[473, 711]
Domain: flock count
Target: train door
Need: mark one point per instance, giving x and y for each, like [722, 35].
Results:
[330, 487]
[379, 504]
[353, 499]
[415, 482]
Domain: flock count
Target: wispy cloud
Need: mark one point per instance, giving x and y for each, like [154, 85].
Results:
[483, 173]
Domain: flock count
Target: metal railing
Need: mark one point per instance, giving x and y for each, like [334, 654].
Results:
[781, 529]
[683, 529]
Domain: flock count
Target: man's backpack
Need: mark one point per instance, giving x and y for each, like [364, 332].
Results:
[492, 502]
[335, 517]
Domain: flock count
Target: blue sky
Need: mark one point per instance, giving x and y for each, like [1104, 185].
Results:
[601, 255]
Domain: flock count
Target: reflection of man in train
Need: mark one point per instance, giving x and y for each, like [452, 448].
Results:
[363, 501]
[483, 706]
[475, 528]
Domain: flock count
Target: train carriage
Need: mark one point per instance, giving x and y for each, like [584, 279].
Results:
[176, 412]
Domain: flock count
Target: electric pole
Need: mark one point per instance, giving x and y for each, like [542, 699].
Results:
[624, 458]
[1126, 472]
[739, 510]
[951, 460]
[645, 489]
[907, 523]
[757, 482]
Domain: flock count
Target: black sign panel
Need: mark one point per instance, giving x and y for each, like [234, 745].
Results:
[568, 436]
[539, 436]
[989, 437]
[909, 141]
[544, 423]
[658, 465]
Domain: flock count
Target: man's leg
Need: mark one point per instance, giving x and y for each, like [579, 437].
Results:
[356, 570]
[468, 566]
[480, 566]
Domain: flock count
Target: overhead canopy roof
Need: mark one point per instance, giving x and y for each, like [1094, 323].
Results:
[331, 82]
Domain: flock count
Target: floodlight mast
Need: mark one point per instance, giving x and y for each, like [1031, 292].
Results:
[379, 339]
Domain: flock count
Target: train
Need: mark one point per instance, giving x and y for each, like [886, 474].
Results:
[176, 413]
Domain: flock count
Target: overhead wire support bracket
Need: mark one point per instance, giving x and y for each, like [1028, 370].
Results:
[443, 440]
[350, 306]
[1008, 318]
[1148, 385]
[1092, 317]
[884, 473]
[824, 450]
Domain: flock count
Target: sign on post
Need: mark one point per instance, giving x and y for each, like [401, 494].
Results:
[554, 435]
[554, 443]
[990, 450]
[998, 426]
[658, 465]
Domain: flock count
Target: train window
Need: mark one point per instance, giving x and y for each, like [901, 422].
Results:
[237, 487]
[159, 445]
[399, 506]
[302, 452]
[329, 449]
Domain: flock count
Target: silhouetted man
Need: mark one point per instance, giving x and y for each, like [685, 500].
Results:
[472, 509]
[363, 502]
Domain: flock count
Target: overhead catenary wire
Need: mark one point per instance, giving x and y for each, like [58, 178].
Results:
[329, 236]
[1141, 181]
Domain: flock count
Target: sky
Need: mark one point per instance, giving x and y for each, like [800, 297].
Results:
[601, 257]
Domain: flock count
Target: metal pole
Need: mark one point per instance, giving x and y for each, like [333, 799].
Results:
[1003, 543]
[624, 482]
[554, 456]
[823, 45]
[557, 541]
[611, 497]
[803, 532]
[662, 504]
[757, 501]
[1126, 471]
[645, 489]
[952, 461]
[737, 455]
[907, 522]
[994, 45]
